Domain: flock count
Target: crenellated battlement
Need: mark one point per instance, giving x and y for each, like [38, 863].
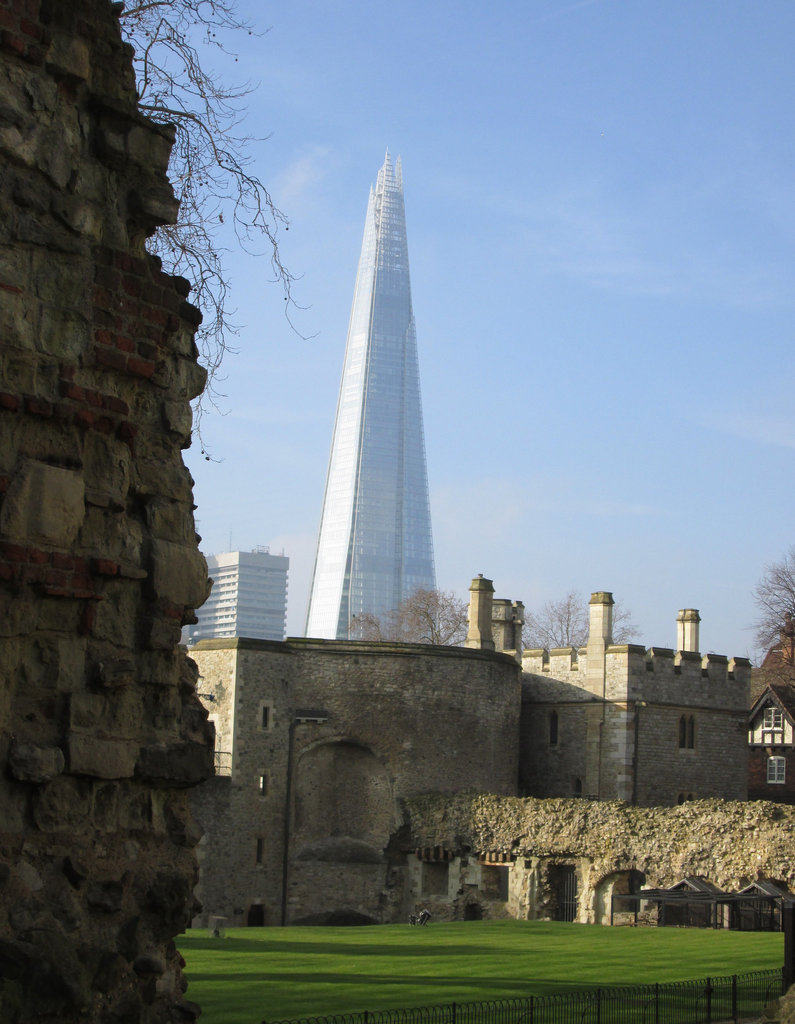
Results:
[559, 660]
[623, 721]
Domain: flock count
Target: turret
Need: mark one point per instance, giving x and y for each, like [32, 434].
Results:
[506, 623]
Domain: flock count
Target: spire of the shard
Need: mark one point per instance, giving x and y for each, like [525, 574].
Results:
[374, 544]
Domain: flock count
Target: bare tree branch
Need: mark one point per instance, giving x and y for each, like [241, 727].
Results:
[426, 617]
[774, 596]
[564, 623]
[210, 163]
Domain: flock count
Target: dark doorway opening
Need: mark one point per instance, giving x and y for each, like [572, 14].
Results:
[564, 882]
[256, 916]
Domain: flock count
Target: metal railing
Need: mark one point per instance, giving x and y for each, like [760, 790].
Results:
[736, 997]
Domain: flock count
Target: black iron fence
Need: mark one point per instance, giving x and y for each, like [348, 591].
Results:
[732, 998]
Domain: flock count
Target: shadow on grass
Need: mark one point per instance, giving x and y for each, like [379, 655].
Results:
[518, 990]
[266, 947]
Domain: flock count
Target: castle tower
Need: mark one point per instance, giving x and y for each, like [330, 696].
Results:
[374, 544]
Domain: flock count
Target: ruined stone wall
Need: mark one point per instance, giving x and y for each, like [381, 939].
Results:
[101, 732]
[350, 729]
[728, 843]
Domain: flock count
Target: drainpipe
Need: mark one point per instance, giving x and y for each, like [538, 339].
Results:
[288, 800]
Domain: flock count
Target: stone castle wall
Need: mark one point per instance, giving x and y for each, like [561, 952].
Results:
[349, 730]
[627, 746]
[101, 732]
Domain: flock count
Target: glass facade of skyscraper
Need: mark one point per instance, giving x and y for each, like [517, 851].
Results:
[374, 545]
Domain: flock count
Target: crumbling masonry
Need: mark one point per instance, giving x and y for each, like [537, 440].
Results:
[101, 733]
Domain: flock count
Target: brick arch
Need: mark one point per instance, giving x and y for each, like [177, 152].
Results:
[343, 800]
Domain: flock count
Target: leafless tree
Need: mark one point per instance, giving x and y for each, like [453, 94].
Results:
[564, 623]
[210, 166]
[426, 617]
[774, 596]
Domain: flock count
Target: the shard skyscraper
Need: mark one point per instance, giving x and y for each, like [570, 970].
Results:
[374, 546]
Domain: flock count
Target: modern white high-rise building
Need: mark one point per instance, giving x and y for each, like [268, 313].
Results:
[374, 544]
[249, 597]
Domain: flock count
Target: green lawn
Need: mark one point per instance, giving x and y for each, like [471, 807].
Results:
[255, 974]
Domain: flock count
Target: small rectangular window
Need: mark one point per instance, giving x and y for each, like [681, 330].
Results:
[260, 845]
[774, 718]
[263, 785]
[266, 716]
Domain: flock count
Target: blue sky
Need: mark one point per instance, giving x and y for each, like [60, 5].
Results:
[599, 199]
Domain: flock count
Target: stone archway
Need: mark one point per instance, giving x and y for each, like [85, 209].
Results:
[616, 884]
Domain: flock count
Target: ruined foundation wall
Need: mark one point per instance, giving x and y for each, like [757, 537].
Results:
[729, 843]
[101, 732]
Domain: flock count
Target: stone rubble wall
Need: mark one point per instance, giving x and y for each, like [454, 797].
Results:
[729, 843]
[101, 732]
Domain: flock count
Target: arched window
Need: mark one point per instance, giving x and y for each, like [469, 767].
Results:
[687, 732]
[553, 728]
[776, 770]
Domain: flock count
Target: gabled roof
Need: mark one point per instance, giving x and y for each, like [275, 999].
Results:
[698, 884]
[781, 694]
[688, 888]
[767, 888]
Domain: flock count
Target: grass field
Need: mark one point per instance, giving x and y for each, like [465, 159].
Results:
[278, 973]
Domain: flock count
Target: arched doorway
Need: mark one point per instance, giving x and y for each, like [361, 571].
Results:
[609, 908]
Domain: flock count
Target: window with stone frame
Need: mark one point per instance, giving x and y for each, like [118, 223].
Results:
[772, 724]
[687, 732]
[776, 770]
[265, 716]
[553, 728]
